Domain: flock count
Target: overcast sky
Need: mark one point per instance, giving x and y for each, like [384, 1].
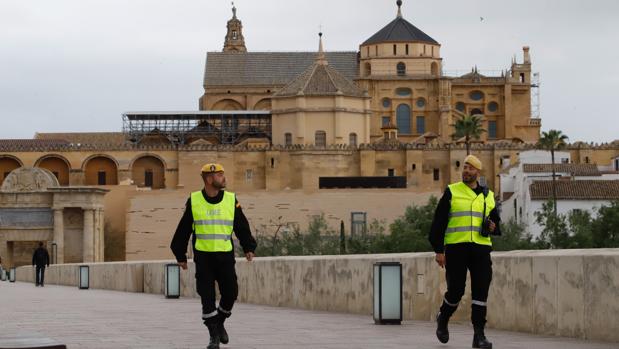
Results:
[77, 65]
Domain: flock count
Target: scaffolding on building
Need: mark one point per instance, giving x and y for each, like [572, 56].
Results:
[535, 96]
[225, 127]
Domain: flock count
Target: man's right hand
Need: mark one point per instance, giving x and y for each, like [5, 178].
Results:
[183, 265]
[440, 259]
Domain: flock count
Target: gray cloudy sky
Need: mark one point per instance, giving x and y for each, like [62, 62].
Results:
[76, 65]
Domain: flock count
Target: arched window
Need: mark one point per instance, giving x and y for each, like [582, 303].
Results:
[493, 106]
[460, 106]
[477, 111]
[352, 139]
[403, 119]
[320, 138]
[401, 67]
[288, 138]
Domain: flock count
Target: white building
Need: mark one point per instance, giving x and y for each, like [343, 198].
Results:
[526, 185]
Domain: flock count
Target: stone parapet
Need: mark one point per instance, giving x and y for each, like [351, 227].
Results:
[572, 293]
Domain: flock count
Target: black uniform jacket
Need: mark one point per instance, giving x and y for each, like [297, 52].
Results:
[441, 219]
[40, 257]
[185, 229]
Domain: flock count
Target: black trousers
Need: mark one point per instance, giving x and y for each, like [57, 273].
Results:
[476, 259]
[40, 275]
[211, 267]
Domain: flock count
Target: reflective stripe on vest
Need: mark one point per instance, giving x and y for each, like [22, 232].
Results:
[213, 223]
[466, 215]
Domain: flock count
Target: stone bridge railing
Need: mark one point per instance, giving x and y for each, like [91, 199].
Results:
[573, 293]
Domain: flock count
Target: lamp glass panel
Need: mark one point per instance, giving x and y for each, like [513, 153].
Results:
[172, 280]
[390, 292]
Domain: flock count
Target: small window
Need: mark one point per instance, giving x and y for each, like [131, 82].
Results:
[407, 49]
[421, 103]
[352, 139]
[617, 165]
[493, 106]
[385, 120]
[477, 111]
[492, 129]
[390, 172]
[386, 102]
[421, 124]
[460, 106]
[376, 50]
[320, 138]
[522, 77]
[249, 175]
[401, 67]
[457, 163]
[436, 174]
[414, 167]
[403, 91]
[101, 180]
[234, 35]
[586, 159]
[272, 163]
[395, 49]
[476, 95]
[288, 138]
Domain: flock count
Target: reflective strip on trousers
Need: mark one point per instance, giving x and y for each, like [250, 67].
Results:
[214, 237]
[209, 315]
[223, 310]
[480, 303]
[214, 222]
[466, 214]
[450, 304]
[462, 229]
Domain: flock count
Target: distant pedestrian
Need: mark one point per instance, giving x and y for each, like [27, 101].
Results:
[40, 259]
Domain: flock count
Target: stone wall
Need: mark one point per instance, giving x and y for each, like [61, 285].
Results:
[572, 293]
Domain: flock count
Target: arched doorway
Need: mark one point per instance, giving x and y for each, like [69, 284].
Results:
[57, 165]
[101, 170]
[148, 171]
[8, 164]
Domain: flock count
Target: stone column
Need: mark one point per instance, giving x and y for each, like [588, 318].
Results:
[59, 234]
[88, 247]
[101, 233]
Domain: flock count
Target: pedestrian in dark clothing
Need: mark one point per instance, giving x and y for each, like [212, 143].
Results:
[460, 235]
[210, 217]
[40, 259]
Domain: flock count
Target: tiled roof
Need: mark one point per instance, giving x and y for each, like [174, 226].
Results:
[576, 190]
[400, 30]
[85, 137]
[321, 80]
[9, 144]
[573, 169]
[270, 68]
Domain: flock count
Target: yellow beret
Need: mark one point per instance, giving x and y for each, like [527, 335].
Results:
[212, 167]
[473, 161]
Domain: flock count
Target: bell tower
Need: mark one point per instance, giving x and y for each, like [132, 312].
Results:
[234, 37]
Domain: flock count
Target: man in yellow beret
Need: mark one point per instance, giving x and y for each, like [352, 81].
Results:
[460, 235]
[211, 215]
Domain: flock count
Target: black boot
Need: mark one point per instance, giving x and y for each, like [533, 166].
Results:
[442, 333]
[213, 331]
[223, 334]
[479, 339]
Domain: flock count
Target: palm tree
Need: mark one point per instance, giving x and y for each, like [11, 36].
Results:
[469, 127]
[553, 140]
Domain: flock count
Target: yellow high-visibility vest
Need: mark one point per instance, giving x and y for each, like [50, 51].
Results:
[466, 215]
[213, 223]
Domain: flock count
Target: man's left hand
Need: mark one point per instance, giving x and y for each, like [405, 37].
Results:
[249, 256]
[491, 226]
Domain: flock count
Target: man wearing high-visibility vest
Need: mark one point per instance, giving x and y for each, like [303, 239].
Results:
[211, 215]
[460, 235]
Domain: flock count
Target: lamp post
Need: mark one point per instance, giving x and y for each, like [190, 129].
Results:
[3, 275]
[12, 274]
[54, 253]
[172, 281]
[84, 277]
[387, 293]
